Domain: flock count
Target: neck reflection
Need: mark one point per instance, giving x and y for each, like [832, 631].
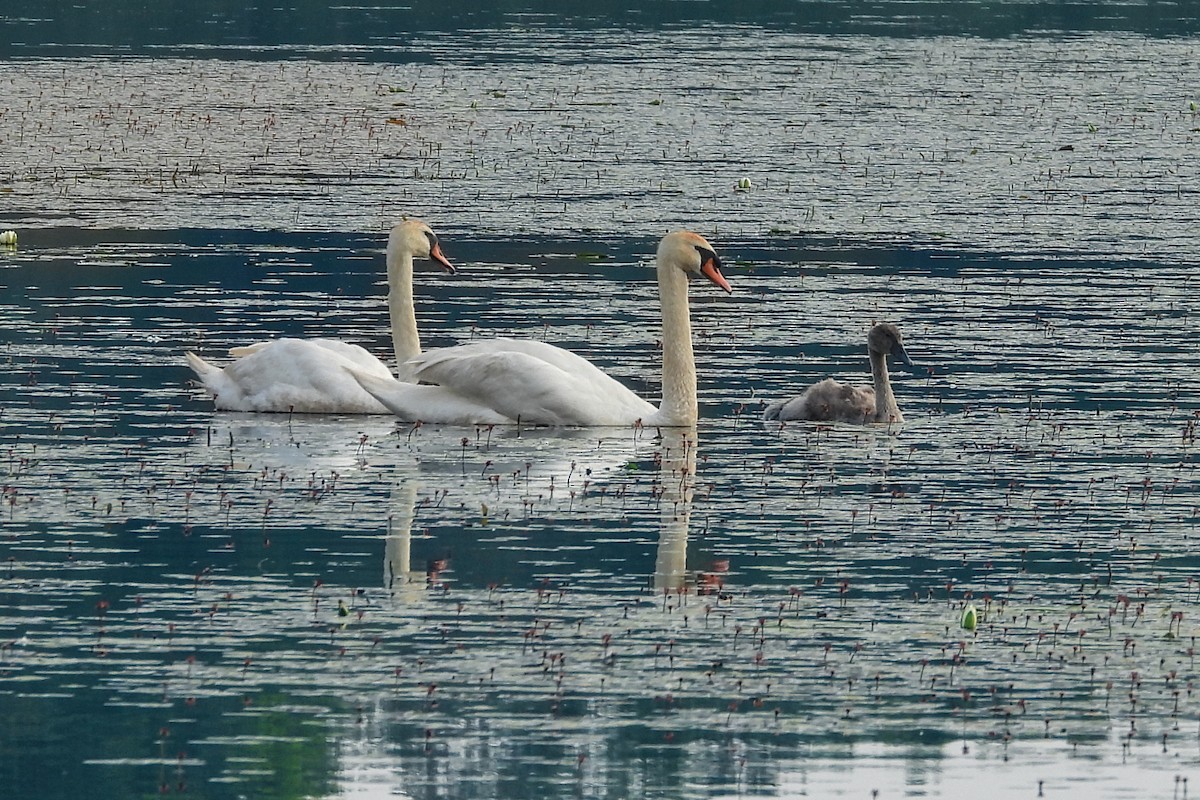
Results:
[677, 484]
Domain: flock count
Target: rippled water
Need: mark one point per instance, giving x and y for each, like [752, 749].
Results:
[1025, 146]
[255, 605]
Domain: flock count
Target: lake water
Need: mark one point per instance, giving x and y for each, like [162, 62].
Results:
[228, 605]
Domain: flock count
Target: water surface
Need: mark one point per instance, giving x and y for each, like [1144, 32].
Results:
[265, 606]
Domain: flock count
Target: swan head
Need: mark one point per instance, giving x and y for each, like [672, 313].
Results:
[416, 237]
[692, 253]
[884, 338]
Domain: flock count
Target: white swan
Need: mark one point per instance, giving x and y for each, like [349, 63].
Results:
[834, 401]
[509, 380]
[309, 375]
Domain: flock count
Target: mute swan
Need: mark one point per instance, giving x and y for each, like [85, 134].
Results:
[834, 401]
[515, 380]
[309, 375]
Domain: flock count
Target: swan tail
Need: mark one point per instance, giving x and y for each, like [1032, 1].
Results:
[772, 411]
[423, 403]
[204, 370]
[386, 390]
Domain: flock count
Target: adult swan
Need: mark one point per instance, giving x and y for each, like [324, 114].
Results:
[501, 381]
[309, 375]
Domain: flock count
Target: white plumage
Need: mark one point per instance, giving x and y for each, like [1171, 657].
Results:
[311, 375]
[516, 380]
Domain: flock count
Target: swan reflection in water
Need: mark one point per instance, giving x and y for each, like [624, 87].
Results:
[504, 474]
[545, 460]
[399, 579]
[677, 487]
[678, 479]
[303, 443]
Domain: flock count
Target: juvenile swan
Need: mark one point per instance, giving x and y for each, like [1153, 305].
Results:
[517, 380]
[309, 375]
[834, 401]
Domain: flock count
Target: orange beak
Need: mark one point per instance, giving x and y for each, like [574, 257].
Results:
[711, 269]
[435, 253]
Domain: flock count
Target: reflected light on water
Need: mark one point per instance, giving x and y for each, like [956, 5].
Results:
[306, 606]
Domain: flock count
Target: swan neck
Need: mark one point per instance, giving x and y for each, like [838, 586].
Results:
[886, 409]
[679, 405]
[406, 342]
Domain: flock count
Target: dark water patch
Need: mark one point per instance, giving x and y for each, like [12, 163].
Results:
[401, 33]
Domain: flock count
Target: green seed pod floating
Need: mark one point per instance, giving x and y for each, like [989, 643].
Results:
[970, 617]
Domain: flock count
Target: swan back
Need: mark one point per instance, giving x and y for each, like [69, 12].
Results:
[532, 381]
[827, 401]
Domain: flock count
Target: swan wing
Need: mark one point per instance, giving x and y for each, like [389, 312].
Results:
[293, 375]
[425, 403]
[352, 353]
[534, 382]
[247, 349]
[582, 370]
[552, 354]
[827, 401]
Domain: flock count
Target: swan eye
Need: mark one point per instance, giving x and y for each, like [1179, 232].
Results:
[708, 255]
